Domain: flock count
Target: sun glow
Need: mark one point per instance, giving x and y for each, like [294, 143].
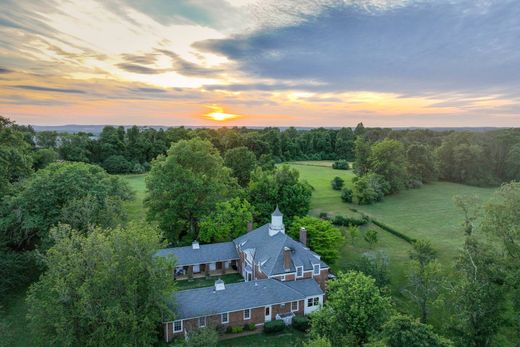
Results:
[219, 115]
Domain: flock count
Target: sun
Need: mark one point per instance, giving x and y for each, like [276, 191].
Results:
[219, 115]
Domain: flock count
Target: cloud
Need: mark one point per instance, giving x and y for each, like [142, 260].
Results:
[417, 48]
[48, 89]
[139, 69]
[4, 71]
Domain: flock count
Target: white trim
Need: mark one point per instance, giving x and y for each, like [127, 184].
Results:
[222, 317]
[282, 278]
[297, 306]
[299, 267]
[248, 310]
[173, 327]
[314, 269]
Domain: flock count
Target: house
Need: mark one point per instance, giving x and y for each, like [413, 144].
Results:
[282, 277]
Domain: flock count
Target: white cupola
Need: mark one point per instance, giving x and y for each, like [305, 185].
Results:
[276, 225]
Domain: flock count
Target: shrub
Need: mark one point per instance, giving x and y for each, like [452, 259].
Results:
[370, 188]
[203, 337]
[274, 326]
[221, 329]
[249, 326]
[349, 221]
[346, 194]
[393, 231]
[236, 329]
[337, 183]
[324, 215]
[340, 165]
[117, 164]
[301, 323]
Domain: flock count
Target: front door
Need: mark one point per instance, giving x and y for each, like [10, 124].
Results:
[268, 313]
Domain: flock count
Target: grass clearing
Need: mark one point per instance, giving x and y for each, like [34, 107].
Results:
[135, 208]
[207, 282]
[288, 337]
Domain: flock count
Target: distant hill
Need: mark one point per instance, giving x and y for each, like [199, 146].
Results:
[96, 129]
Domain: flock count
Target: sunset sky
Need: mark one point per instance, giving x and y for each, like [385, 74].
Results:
[261, 63]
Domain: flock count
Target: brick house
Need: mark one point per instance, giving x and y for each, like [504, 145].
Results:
[282, 277]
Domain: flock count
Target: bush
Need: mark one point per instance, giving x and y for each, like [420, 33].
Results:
[301, 323]
[116, 164]
[203, 337]
[221, 329]
[234, 329]
[337, 183]
[393, 231]
[340, 165]
[370, 188]
[349, 221]
[274, 326]
[249, 326]
[324, 215]
[346, 194]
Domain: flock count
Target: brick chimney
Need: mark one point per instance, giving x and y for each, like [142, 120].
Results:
[249, 226]
[303, 236]
[287, 258]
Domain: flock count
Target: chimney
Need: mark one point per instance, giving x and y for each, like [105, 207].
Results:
[287, 258]
[303, 236]
[219, 285]
[195, 245]
[249, 226]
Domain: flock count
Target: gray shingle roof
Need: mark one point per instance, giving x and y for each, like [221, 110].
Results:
[205, 254]
[268, 251]
[238, 296]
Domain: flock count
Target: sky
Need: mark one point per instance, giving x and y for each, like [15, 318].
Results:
[332, 63]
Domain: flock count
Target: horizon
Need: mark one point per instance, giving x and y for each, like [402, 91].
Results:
[386, 63]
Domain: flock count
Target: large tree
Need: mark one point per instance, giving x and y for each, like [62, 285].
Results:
[50, 195]
[242, 162]
[345, 144]
[105, 288]
[281, 187]
[421, 163]
[185, 185]
[387, 158]
[323, 237]
[227, 221]
[354, 312]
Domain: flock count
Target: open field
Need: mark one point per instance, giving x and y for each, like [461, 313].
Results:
[135, 208]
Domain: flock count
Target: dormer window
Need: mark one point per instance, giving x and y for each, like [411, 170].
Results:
[316, 269]
[299, 271]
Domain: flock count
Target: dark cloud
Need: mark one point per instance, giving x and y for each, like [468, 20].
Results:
[2, 70]
[147, 90]
[146, 59]
[135, 68]
[48, 89]
[424, 47]
[187, 68]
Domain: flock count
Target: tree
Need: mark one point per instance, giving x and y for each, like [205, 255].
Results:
[403, 330]
[476, 299]
[346, 195]
[113, 293]
[353, 232]
[340, 165]
[387, 158]
[117, 164]
[470, 205]
[369, 188]
[185, 185]
[355, 311]
[375, 265]
[370, 237]
[202, 337]
[362, 152]
[43, 157]
[45, 196]
[242, 162]
[281, 187]
[226, 222]
[337, 183]
[322, 236]
[317, 342]
[421, 163]
[345, 144]
[75, 147]
[424, 278]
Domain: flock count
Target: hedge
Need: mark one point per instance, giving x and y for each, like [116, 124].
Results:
[301, 323]
[249, 326]
[234, 329]
[347, 221]
[274, 326]
[393, 231]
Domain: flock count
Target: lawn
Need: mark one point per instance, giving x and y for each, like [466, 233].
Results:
[207, 282]
[288, 337]
[135, 207]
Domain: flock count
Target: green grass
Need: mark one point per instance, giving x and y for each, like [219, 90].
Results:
[135, 208]
[207, 282]
[288, 337]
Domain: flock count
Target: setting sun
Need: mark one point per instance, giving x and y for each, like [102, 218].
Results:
[219, 115]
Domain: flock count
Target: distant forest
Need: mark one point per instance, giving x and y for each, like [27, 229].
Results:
[475, 157]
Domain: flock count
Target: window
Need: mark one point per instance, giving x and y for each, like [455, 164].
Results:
[313, 301]
[202, 322]
[282, 278]
[267, 310]
[247, 314]
[225, 318]
[294, 306]
[177, 326]
[316, 268]
[299, 271]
